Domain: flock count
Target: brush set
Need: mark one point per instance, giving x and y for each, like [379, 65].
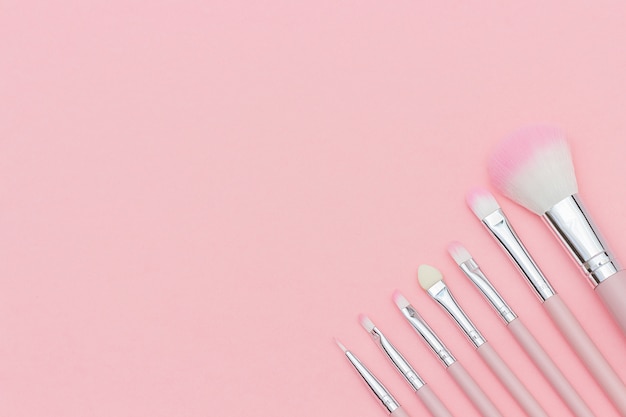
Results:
[534, 168]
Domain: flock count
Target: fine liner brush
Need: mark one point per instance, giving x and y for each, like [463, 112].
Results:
[486, 208]
[464, 380]
[391, 405]
[423, 391]
[515, 325]
[534, 168]
[431, 280]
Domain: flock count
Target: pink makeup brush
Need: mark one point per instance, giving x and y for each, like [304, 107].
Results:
[525, 339]
[431, 280]
[391, 405]
[463, 379]
[486, 208]
[534, 168]
[423, 391]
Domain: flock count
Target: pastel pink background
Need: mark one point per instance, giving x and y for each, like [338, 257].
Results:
[197, 196]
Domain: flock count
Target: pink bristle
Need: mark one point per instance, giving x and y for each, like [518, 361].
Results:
[399, 299]
[475, 194]
[534, 168]
[517, 149]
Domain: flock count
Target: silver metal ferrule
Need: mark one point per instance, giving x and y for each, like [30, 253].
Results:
[397, 359]
[440, 293]
[503, 232]
[571, 223]
[473, 272]
[428, 335]
[375, 385]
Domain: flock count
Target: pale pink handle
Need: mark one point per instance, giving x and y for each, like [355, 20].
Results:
[399, 412]
[476, 395]
[587, 351]
[523, 397]
[612, 291]
[549, 369]
[432, 402]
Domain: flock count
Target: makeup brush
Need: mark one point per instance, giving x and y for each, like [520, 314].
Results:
[463, 379]
[486, 208]
[423, 391]
[382, 394]
[515, 325]
[534, 168]
[431, 280]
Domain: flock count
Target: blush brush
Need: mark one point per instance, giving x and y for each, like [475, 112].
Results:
[534, 168]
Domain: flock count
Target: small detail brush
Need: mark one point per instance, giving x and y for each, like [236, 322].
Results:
[431, 280]
[534, 168]
[425, 394]
[463, 379]
[515, 325]
[384, 396]
[487, 209]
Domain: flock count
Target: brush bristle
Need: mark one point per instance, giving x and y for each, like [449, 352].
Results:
[341, 345]
[534, 168]
[458, 253]
[366, 322]
[400, 301]
[482, 202]
[428, 276]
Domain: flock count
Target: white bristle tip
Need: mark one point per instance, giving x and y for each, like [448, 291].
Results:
[482, 202]
[366, 322]
[341, 345]
[428, 276]
[400, 300]
[458, 252]
[534, 168]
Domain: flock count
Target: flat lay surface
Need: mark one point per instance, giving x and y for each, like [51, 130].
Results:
[198, 196]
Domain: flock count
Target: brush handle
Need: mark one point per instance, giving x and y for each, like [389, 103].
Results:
[399, 412]
[432, 402]
[523, 397]
[549, 369]
[612, 291]
[587, 351]
[476, 395]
